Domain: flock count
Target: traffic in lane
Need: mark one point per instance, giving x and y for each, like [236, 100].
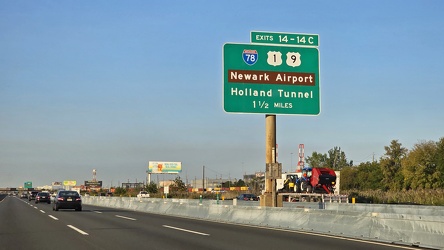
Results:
[23, 225]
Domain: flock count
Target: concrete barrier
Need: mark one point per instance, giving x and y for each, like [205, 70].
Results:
[379, 224]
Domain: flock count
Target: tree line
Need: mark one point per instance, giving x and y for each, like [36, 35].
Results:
[422, 167]
[398, 170]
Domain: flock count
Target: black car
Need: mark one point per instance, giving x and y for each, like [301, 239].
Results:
[67, 200]
[43, 197]
[32, 195]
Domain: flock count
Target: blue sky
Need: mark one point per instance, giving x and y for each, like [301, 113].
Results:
[111, 85]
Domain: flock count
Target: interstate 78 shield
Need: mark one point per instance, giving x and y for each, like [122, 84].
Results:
[271, 79]
[249, 56]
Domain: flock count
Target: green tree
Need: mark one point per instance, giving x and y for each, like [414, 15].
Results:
[152, 188]
[439, 160]
[227, 184]
[369, 176]
[240, 183]
[120, 191]
[365, 176]
[348, 178]
[317, 160]
[420, 167]
[391, 166]
[337, 160]
[179, 185]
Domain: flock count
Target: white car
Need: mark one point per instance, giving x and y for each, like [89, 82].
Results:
[143, 194]
[52, 198]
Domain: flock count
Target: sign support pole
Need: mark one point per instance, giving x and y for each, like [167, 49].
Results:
[269, 198]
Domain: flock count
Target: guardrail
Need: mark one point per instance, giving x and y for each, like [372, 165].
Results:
[406, 229]
[313, 197]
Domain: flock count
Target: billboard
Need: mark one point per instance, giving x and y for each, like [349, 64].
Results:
[93, 184]
[162, 167]
[69, 183]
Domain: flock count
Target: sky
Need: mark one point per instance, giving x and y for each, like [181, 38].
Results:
[111, 85]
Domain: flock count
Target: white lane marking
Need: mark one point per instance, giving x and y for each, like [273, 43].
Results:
[42, 211]
[52, 217]
[36, 207]
[98, 212]
[123, 217]
[78, 230]
[185, 230]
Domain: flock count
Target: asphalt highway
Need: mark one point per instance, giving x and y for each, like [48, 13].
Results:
[26, 225]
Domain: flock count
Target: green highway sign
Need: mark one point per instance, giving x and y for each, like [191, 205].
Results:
[284, 38]
[271, 79]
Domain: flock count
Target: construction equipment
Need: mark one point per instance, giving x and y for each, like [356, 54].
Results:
[318, 180]
[290, 183]
[310, 180]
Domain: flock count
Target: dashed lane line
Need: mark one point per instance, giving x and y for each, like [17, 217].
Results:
[52, 217]
[78, 230]
[185, 230]
[123, 217]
